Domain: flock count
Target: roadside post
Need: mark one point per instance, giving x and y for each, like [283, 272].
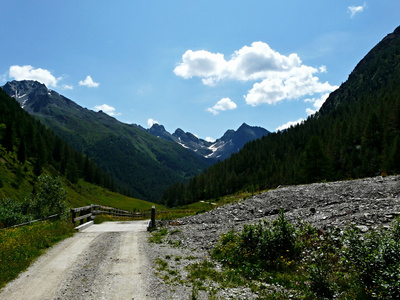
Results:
[153, 217]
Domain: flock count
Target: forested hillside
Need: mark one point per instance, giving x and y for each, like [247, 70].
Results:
[33, 145]
[142, 164]
[355, 134]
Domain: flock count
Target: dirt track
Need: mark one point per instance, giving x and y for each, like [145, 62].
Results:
[70, 270]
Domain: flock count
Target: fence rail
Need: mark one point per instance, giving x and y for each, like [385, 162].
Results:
[89, 212]
[86, 214]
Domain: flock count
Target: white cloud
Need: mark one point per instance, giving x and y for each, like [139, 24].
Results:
[210, 139]
[289, 124]
[317, 103]
[67, 87]
[353, 10]
[109, 110]
[294, 84]
[151, 122]
[259, 61]
[3, 78]
[279, 76]
[28, 72]
[322, 69]
[223, 104]
[89, 82]
[248, 63]
[209, 66]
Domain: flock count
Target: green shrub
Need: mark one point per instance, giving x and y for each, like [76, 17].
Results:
[318, 264]
[375, 256]
[13, 212]
[48, 198]
[260, 245]
[319, 282]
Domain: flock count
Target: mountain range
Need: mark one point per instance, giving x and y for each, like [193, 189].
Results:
[231, 142]
[144, 162]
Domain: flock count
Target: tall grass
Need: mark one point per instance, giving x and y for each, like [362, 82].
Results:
[20, 246]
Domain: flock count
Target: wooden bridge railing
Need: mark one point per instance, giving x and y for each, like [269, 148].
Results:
[86, 214]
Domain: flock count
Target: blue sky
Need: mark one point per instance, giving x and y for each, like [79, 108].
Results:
[203, 66]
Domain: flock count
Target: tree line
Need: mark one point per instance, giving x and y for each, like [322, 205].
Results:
[31, 141]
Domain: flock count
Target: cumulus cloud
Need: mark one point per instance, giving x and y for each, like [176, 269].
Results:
[289, 124]
[3, 78]
[223, 104]
[89, 82]
[317, 103]
[209, 66]
[322, 69]
[353, 10]
[67, 87]
[248, 63]
[210, 139]
[151, 122]
[109, 110]
[278, 76]
[28, 72]
[294, 84]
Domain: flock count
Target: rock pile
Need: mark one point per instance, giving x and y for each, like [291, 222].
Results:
[366, 203]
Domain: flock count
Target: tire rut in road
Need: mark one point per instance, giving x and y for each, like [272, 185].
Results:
[86, 279]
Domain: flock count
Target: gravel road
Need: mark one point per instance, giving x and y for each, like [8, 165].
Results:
[105, 261]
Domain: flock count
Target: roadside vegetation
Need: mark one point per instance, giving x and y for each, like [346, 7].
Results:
[20, 246]
[279, 260]
[309, 263]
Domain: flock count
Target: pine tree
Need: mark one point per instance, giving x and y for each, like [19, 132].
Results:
[316, 164]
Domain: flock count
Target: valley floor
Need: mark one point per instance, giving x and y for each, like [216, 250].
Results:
[127, 266]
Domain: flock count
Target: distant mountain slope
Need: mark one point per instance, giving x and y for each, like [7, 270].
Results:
[27, 148]
[231, 142]
[355, 134]
[143, 164]
[377, 70]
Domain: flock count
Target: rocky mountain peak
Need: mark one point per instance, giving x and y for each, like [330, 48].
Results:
[31, 95]
[232, 141]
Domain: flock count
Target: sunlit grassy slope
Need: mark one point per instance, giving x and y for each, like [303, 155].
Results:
[85, 193]
[17, 181]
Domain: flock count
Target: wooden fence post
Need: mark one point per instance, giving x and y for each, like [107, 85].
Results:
[153, 217]
[73, 213]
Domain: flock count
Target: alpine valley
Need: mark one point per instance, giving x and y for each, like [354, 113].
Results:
[355, 134]
[143, 162]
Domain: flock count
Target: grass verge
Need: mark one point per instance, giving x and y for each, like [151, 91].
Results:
[20, 246]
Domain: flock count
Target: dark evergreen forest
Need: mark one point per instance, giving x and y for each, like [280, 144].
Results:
[33, 142]
[355, 134]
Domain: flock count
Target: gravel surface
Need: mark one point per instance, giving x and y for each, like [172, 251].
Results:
[105, 261]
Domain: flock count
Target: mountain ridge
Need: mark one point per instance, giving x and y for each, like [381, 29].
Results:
[143, 164]
[231, 141]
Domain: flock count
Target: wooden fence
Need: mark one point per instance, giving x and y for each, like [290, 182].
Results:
[82, 215]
